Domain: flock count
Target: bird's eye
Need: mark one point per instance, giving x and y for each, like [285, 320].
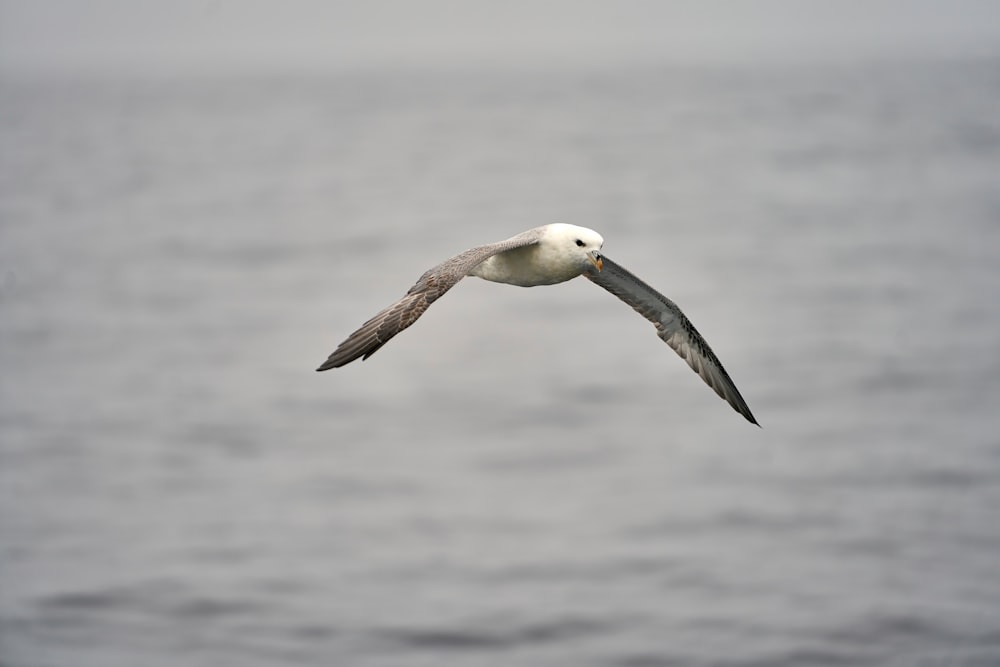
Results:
[579, 243]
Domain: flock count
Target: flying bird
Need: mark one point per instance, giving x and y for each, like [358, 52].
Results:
[545, 256]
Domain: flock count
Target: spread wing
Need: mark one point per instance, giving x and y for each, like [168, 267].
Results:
[377, 331]
[673, 327]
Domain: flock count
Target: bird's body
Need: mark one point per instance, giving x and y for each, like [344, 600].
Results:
[545, 256]
[546, 262]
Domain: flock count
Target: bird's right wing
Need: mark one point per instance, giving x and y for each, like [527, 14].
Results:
[673, 327]
[377, 331]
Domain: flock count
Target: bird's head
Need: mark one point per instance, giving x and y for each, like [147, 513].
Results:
[579, 242]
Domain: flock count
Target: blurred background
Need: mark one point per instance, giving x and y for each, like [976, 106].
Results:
[199, 200]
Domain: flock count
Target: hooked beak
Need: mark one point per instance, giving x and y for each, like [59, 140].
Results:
[595, 259]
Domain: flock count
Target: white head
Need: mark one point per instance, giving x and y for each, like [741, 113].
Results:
[581, 243]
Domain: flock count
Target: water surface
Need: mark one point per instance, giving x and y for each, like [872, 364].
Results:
[525, 476]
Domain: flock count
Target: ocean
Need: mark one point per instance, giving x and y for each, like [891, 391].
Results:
[526, 476]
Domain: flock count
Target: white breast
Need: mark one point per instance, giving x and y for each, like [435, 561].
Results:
[529, 266]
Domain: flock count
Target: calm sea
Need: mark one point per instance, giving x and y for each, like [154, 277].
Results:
[525, 477]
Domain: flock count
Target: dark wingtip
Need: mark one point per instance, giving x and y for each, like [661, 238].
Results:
[327, 365]
[749, 416]
[337, 360]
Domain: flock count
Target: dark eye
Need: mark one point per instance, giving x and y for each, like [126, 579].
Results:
[579, 243]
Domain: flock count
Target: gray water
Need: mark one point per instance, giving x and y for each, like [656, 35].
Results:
[525, 477]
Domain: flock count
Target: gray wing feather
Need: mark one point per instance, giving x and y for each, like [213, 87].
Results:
[673, 327]
[377, 331]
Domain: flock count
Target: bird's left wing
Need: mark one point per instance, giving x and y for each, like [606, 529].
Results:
[377, 331]
[673, 327]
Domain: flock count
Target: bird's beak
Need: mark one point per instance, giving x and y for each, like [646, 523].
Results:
[595, 259]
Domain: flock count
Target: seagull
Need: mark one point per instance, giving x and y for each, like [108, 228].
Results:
[545, 256]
